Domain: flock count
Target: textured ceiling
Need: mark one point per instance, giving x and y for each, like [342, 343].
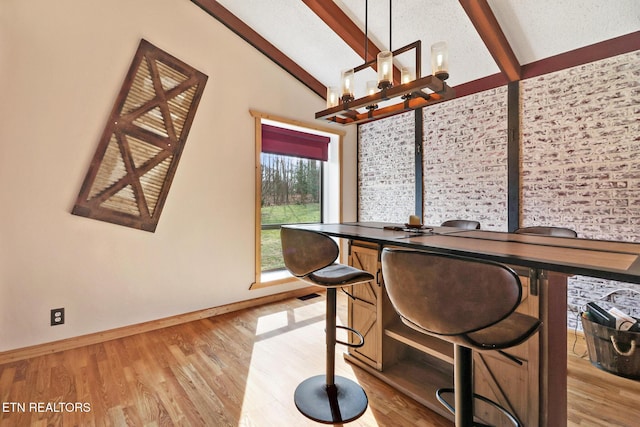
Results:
[542, 28]
[535, 30]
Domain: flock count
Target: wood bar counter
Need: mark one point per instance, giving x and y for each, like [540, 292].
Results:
[533, 382]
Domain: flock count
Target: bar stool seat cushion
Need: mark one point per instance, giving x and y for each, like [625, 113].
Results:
[338, 275]
[509, 332]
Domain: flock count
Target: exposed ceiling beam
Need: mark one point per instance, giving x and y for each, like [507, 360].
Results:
[347, 30]
[491, 34]
[344, 27]
[232, 22]
[606, 49]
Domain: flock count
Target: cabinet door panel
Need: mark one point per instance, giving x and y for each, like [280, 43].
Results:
[364, 259]
[363, 308]
[364, 321]
[366, 292]
[506, 382]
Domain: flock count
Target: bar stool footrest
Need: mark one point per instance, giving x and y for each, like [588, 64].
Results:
[353, 331]
[451, 409]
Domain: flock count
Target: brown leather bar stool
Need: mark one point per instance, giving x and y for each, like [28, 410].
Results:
[467, 302]
[311, 256]
[462, 223]
[548, 231]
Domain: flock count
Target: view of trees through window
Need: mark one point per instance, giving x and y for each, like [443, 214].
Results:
[291, 193]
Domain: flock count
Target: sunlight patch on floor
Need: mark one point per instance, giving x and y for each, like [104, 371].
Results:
[281, 361]
[272, 322]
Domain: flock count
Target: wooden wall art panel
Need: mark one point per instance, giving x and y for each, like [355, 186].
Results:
[137, 156]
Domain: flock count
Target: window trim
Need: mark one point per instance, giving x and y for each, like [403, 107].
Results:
[258, 120]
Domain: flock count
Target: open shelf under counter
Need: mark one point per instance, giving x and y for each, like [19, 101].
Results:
[416, 375]
[425, 343]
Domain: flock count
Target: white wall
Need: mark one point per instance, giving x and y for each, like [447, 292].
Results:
[62, 64]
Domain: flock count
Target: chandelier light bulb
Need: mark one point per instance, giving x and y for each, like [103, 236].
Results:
[347, 85]
[440, 60]
[333, 97]
[385, 69]
[406, 75]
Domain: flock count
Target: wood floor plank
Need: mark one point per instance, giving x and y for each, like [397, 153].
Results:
[597, 398]
[241, 369]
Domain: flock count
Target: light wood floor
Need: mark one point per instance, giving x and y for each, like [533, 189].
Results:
[240, 369]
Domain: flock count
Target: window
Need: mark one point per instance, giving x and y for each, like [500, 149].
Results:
[291, 193]
[297, 181]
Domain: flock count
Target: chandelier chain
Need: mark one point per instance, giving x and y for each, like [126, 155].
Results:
[366, 30]
[390, 29]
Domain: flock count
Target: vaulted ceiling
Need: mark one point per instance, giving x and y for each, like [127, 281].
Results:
[490, 42]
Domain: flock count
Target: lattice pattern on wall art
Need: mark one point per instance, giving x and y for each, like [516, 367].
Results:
[136, 159]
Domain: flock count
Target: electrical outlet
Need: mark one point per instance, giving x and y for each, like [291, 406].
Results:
[57, 316]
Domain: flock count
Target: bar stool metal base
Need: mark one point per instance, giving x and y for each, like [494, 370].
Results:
[340, 403]
[463, 392]
[451, 409]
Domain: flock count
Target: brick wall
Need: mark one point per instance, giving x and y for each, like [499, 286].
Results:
[465, 160]
[386, 169]
[581, 161]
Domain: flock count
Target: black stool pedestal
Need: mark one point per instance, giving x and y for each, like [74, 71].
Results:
[340, 403]
[329, 398]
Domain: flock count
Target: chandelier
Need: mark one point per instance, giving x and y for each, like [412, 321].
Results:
[383, 98]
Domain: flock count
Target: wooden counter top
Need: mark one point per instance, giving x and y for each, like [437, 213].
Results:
[596, 258]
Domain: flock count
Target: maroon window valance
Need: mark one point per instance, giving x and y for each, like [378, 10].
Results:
[288, 142]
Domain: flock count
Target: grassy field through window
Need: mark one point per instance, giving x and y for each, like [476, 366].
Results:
[271, 253]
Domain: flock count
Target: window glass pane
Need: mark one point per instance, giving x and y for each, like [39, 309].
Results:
[291, 193]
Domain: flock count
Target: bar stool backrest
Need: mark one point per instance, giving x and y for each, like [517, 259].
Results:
[548, 231]
[446, 294]
[462, 223]
[307, 251]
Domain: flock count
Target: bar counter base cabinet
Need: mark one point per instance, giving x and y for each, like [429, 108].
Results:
[531, 383]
